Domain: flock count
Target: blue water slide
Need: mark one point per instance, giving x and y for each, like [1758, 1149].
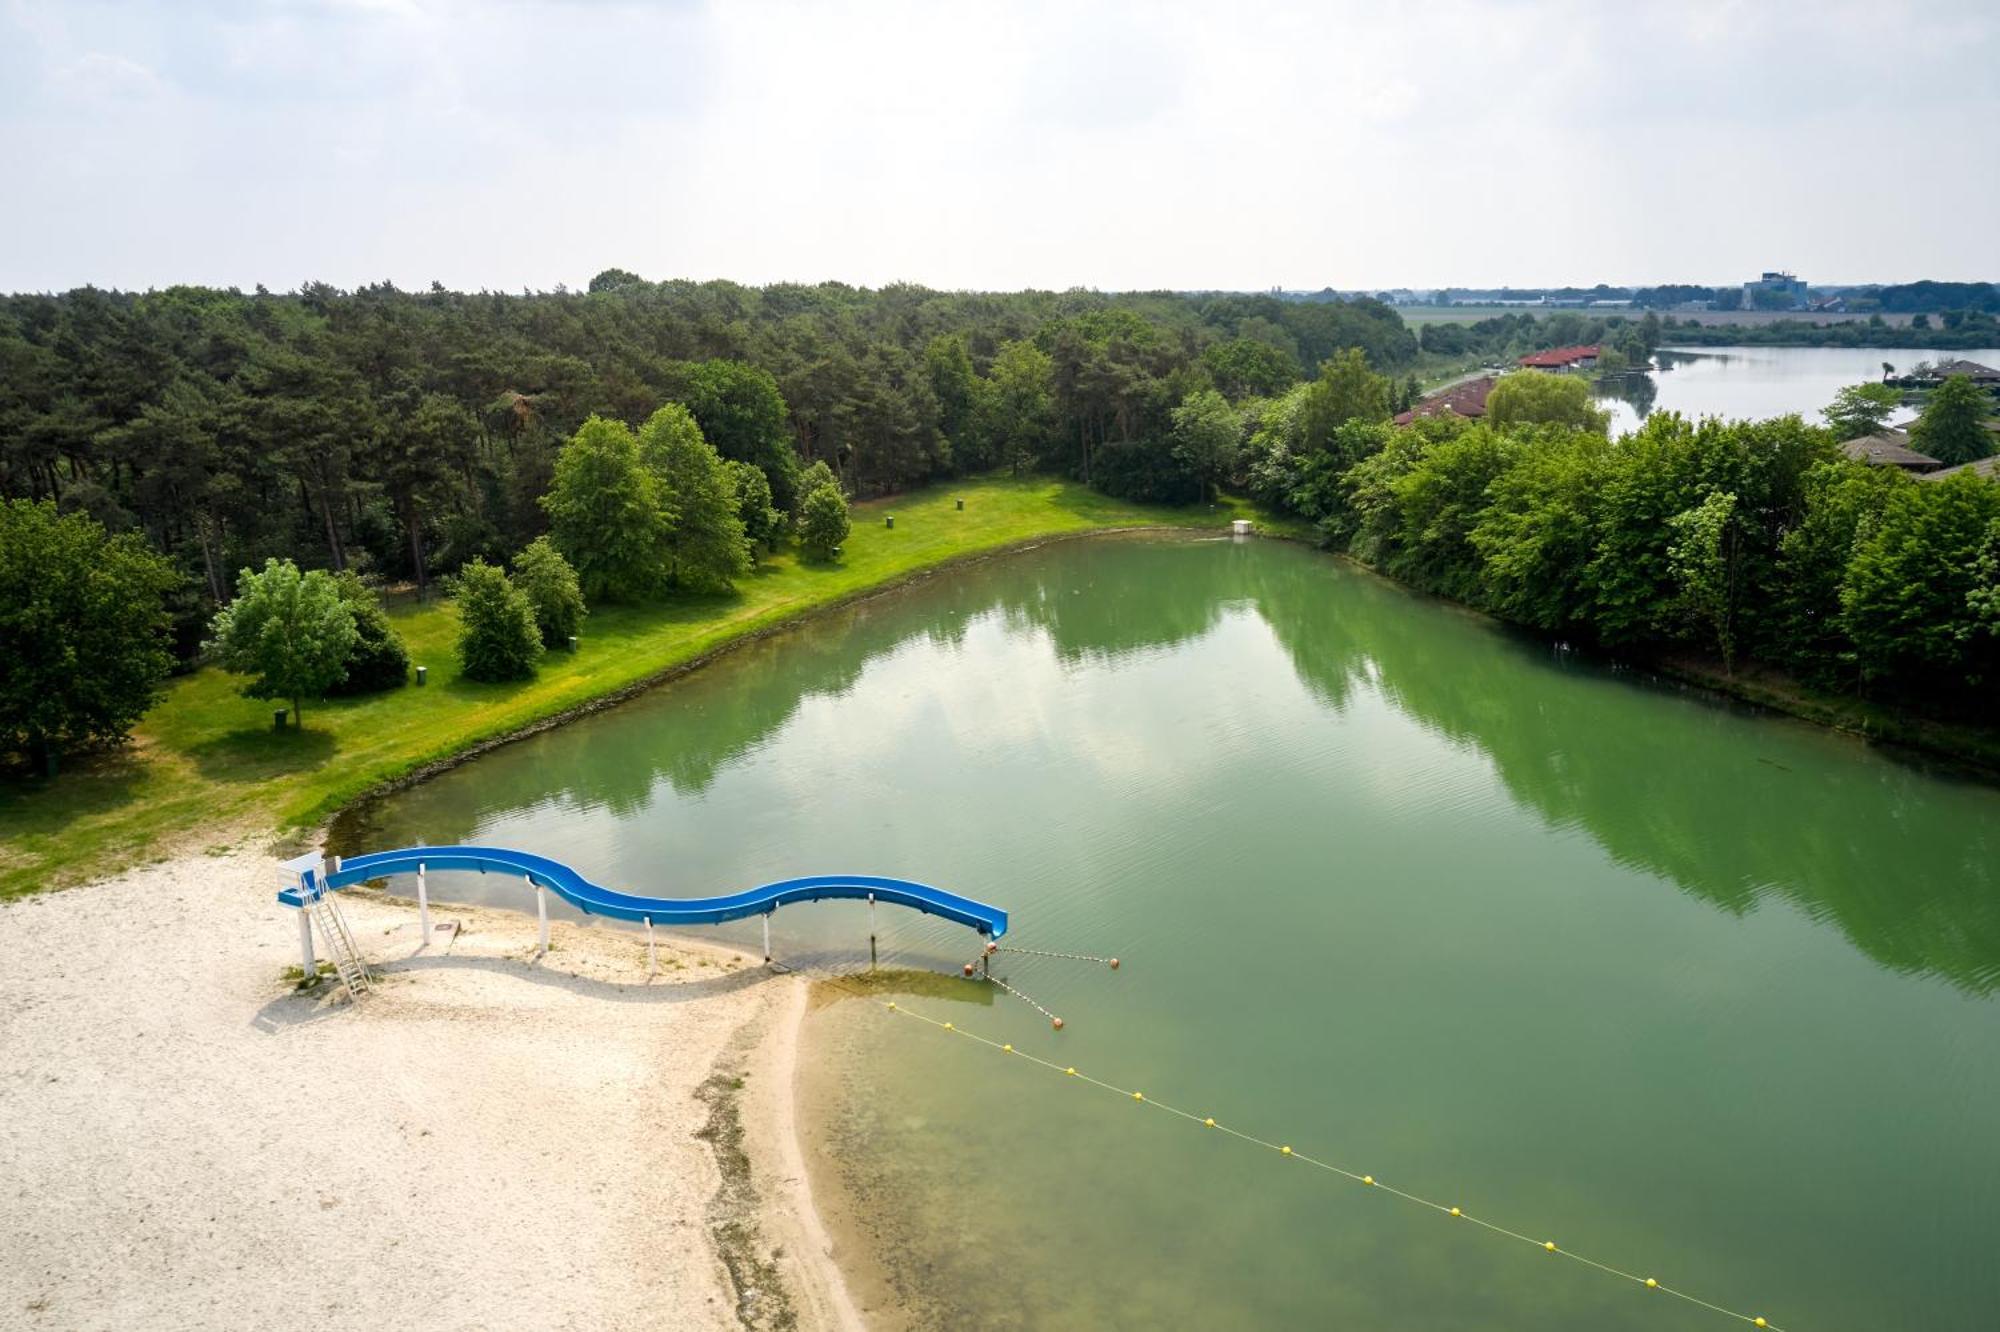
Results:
[596, 900]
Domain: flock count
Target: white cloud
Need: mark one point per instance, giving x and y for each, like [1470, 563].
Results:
[1046, 144]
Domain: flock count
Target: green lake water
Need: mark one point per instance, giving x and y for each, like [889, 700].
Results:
[1701, 993]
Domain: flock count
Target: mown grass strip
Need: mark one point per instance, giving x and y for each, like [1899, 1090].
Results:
[206, 758]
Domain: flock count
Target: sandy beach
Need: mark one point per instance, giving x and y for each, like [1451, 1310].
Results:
[486, 1140]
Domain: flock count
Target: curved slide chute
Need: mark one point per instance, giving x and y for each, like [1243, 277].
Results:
[596, 900]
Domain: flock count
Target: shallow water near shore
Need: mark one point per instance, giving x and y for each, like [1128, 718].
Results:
[1697, 992]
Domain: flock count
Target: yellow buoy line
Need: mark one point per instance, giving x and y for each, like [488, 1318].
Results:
[1286, 1150]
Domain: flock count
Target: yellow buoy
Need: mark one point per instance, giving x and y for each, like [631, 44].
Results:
[947, 1026]
[892, 1005]
[1070, 1071]
[1368, 1179]
[1138, 1096]
[1652, 1284]
[1759, 1321]
[1209, 1122]
[1286, 1150]
[1550, 1245]
[1456, 1212]
[1008, 1048]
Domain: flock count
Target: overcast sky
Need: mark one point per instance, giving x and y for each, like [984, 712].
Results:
[994, 145]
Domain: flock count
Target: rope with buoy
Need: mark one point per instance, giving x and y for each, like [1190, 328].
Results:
[1043, 952]
[1285, 1150]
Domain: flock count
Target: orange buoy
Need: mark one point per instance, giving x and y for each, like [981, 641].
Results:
[968, 968]
[1058, 1023]
[991, 948]
[1114, 964]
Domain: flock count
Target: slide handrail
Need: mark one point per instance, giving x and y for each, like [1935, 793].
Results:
[596, 900]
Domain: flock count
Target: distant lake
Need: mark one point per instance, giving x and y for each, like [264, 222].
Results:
[1757, 382]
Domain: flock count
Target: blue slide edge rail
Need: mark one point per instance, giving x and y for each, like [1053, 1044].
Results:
[596, 900]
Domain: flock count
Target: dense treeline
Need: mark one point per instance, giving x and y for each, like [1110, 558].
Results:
[1748, 540]
[399, 433]
[1956, 330]
[1895, 298]
[544, 452]
[1504, 336]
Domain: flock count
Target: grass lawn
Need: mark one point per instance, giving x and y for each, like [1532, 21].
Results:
[206, 768]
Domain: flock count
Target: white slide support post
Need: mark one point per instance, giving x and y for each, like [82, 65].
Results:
[308, 965]
[767, 936]
[423, 910]
[652, 958]
[541, 911]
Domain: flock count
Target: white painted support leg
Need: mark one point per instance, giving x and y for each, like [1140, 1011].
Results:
[541, 912]
[423, 910]
[652, 957]
[308, 965]
[767, 936]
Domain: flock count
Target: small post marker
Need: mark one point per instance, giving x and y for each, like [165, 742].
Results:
[278, 718]
[889, 521]
[423, 674]
[961, 506]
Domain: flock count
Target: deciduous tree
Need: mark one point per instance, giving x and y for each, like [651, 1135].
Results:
[1861, 409]
[823, 522]
[1951, 427]
[83, 631]
[703, 546]
[606, 514]
[1346, 390]
[378, 660]
[1532, 397]
[290, 632]
[1907, 599]
[552, 590]
[498, 638]
[1205, 437]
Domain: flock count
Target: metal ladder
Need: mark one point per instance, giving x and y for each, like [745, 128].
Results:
[341, 949]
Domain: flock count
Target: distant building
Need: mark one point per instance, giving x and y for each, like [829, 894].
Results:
[1776, 291]
[1987, 467]
[1983, 375]
[1561, 360]
[1891, 448]
[1467, 399]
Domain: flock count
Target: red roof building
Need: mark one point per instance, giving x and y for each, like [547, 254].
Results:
[1467, 399]
[1561, 359]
